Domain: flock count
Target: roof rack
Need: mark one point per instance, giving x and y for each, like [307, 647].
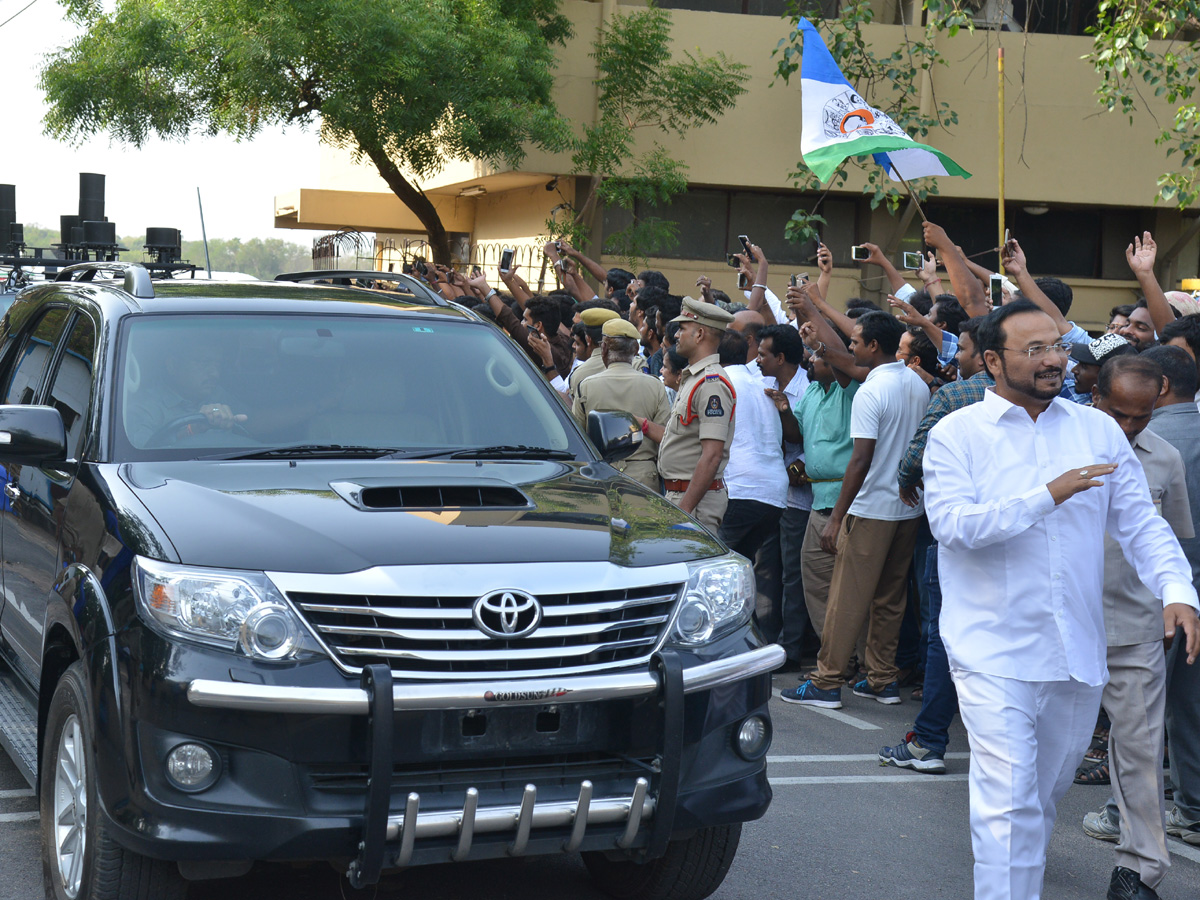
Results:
[366, 278]
[137, 276]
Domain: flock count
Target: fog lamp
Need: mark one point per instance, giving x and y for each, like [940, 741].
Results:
[192, 767]
[753, 737]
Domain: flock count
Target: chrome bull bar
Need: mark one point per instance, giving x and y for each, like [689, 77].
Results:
[520, 819]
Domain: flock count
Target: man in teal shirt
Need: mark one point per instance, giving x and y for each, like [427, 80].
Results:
[821, 422]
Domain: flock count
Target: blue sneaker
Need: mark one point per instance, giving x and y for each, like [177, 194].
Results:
[909, 754]
[887, 694]
[809, 694]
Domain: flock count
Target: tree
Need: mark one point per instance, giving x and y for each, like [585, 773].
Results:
[890, 82]
[1128, 63]
[642, 87]
[403, 84]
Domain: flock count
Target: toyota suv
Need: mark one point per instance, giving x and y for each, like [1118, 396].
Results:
[315, 573]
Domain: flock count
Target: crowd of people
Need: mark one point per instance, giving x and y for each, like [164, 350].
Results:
[981, 503]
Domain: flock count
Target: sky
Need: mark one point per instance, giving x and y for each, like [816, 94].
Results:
[151, 187]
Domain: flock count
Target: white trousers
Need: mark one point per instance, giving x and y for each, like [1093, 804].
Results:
[1027, 738]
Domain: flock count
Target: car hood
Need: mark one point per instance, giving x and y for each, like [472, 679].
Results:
[309, 515]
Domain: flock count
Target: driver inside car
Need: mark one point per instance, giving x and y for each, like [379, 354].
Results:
[187, 393]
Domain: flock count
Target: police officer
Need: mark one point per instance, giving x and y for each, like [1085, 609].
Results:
[621, 387]
[694, 447]
[593, 322]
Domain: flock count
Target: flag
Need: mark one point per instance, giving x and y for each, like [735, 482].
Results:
[837, 122]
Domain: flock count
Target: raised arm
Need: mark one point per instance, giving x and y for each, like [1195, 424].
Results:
[907, 313]
[966, 287]
[516, 285]
[594, 268]
[825, 265]
[895, 279]
[1014, 265]
[929, 275]
[833, 350]
[1141, 255]
[758, 284]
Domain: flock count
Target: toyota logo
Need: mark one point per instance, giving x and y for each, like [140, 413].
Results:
[507, 614]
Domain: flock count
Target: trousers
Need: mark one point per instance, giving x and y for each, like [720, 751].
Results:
[1136, 700]
[816, 570]
[746, 527]
[1026, 739]
[940, 700]
[869, 580]
[709, 511]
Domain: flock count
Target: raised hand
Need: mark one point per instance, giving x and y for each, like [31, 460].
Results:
[876, 257]
[1013, 258]
[824, 259]
[906, 312]
[1141, 254]
[936, 237]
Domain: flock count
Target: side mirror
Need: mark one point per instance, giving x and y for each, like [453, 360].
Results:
[32, 435]
[615, 434]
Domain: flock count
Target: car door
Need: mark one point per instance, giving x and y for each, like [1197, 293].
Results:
[30, 547]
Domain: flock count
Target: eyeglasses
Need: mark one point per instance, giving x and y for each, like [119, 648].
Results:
[1037, 351]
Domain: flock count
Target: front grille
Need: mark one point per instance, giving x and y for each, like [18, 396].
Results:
[435, 637]
[499, 775]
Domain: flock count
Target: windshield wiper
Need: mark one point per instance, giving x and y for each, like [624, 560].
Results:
[500, 451]
[303, 450]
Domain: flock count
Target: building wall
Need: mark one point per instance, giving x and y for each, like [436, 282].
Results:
[1061, 150]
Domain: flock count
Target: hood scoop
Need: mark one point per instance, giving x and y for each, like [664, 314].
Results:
[482, 494]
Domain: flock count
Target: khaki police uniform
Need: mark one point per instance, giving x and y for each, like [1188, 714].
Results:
[593, 365]
[620, 387]
[703, 410]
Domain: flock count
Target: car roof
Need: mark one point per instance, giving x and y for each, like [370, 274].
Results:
[203, 296]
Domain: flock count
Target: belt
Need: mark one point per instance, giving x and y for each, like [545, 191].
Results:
[680, 486]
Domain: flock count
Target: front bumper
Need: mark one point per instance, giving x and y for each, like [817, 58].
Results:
[325, 773]
[476, 695]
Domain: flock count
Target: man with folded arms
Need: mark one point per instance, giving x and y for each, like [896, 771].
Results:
[1020, 491]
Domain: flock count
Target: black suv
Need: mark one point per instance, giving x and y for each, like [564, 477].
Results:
[308, 572]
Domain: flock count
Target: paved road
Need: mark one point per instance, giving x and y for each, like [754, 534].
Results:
[840, 828]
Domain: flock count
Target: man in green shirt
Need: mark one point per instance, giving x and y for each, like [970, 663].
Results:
[821, 422]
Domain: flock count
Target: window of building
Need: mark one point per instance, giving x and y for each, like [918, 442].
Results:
[709, 222]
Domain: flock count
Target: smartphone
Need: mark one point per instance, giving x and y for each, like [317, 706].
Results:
[997, 288]
[506, 258]
[476, 271]
[792, 281]
[912, 260]
[746, 246]
[558, 247]
[732, 261]
[743, 281]
[860, 254]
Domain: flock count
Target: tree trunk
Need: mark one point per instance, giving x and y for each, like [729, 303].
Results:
[412, 197]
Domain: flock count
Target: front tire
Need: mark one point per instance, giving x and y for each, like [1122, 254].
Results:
[80, 859]
[691, 869]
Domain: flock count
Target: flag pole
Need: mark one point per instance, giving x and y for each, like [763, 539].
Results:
[1000, 149]
[911, 194]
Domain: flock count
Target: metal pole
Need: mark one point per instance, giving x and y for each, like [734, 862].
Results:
[204, 234]
[1000, 191]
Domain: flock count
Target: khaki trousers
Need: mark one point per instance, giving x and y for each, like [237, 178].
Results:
[709, 511]
[869, 584]
[816, 570]
[1136, 701]
[643, 470]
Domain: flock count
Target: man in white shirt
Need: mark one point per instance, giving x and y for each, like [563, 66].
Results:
[1020, 490]
[755, 476]
[871, 531]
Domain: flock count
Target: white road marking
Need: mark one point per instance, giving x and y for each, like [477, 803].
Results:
[849, 757]
[866, 779]
[1179, 848]
[837, 715]
[18, 817]
[12, 795]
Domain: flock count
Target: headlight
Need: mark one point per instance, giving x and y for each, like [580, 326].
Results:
[718, 598]
[227, 608]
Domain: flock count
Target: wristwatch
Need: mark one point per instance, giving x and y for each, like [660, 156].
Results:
[550, 368]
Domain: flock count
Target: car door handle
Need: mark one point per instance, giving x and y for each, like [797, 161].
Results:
[11, 491]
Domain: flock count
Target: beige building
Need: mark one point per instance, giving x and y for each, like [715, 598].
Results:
[1079, 183]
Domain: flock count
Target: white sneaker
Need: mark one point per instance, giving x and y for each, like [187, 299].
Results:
[1189, 833]
[1099, 826]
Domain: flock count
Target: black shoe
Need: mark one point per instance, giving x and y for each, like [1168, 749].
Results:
[1126, 884]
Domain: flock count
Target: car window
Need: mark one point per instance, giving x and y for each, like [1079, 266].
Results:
[191, 384]
[34, 356]
[71, 390]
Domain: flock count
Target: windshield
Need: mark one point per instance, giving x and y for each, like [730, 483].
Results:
[227, 385]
